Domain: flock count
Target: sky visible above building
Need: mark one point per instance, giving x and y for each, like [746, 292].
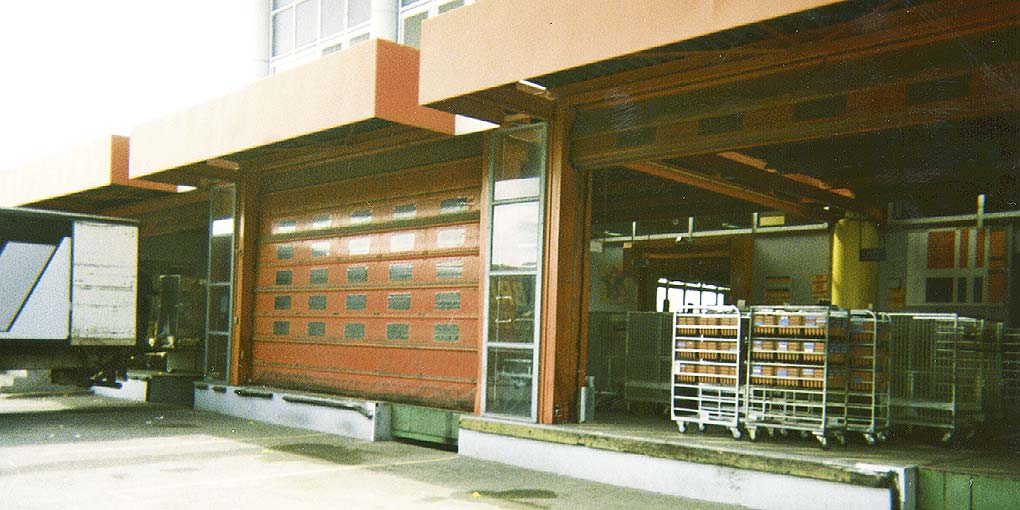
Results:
[75, 71]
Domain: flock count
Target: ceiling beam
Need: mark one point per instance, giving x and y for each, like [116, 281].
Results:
[759, 176]
[989, 91]
[894, 31]
[725, 188]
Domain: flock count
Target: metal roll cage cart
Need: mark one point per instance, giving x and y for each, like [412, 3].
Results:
[867, 395]
[945, 371]
[797, 372]
[706, 388]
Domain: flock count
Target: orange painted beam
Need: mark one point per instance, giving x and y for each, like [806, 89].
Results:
[705, 182]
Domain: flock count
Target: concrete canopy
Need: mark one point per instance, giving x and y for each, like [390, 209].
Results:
[82, 178]
[458, 48]
[372, 84]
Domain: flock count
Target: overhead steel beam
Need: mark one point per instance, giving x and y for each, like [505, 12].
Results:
[991, 90]
[892, 32]
[722, 187]
[732, 165]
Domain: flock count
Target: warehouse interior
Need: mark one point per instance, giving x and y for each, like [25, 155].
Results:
[880, 154]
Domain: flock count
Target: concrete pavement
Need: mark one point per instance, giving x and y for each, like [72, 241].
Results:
[91, 452]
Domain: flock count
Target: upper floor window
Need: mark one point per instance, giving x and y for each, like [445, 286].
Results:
[299, 24]
[414, 12]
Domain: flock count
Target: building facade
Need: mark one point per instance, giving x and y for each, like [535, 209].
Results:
[790, 152]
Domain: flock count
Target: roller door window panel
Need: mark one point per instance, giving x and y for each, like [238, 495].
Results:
[380, 330]
[424, 302]
[453, 238]
[360, 216]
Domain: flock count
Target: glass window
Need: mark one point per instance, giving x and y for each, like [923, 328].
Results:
[316, 302]
[448, 300]
[316, 329]
[322, 221]
[354, 330]
[358, 12]
[359, 245]
[219, 308]
[283, 32]
[519, 164]
[221, 258]
[449, 6]
[281, 3]
[446, 332]
[285, 252]
[285, 227]
[401, 242]
[362, 217]
[357, 274]
[318, 276]
[332, 18]
[412, 29]
[512, 309]
[398, 302]
[404, 212]
[450, 269]
[405, 3]
[453, 205]
[508, 383]
[307, 29]
[362, 37]
[284, 277]
[281, 328]
[451, 238]
[356, 301]
[401, 271]
[515, 239]
[320, 249]
[399, 331]
[281, 303]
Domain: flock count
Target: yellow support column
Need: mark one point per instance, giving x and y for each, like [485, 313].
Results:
[854, 283]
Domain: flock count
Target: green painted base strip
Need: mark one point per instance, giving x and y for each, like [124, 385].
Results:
[944, 490]
[426, 424]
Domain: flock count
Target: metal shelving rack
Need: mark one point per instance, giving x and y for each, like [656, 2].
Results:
[867, 395]
[1011, 377]
[946, 371]
[648, 355]
[797, 371]
[706, 389]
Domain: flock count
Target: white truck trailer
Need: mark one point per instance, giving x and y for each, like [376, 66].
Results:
[68, 287]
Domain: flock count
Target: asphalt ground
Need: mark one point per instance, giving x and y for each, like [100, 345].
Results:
[85, 452]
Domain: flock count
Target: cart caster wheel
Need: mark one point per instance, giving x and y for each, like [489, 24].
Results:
[824, 442]
[682, 426]
[784, 432]
[701, 427]
[841, 438]
[947, 438]
[882, 436]
[772, 433]
[736, 433]
[870, 439]
[752, 434]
